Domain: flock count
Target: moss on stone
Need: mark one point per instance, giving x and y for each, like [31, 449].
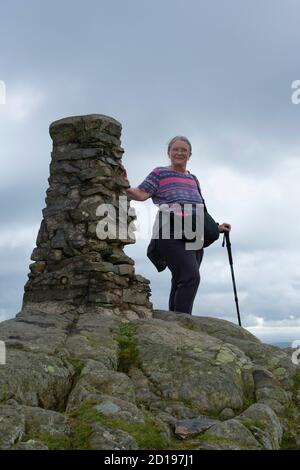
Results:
[53, 442]
[188, 325]
[288, 416]
[81, 420]
[147, 436]
[218, 440]
[296, 384]
[183, 445]
[77, 364]
[252, 423]
[289, 411]
[288, 442]
[248, 400]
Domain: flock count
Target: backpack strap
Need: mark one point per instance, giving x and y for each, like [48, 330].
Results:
[198, 185]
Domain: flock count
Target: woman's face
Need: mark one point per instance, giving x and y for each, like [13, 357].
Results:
[179, 153]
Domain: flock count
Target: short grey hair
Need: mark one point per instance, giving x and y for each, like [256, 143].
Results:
[179, 137]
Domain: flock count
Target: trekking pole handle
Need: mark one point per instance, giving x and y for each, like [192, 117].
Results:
[228, 244]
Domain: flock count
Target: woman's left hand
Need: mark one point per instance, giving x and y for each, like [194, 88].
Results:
[224, 227]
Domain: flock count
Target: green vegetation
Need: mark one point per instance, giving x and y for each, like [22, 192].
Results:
[83, 417]
[53, 442]
[218, 440]
[188, 325]
[128, 351]
[183, 445]
[77, 364]
[289, 416]
[146, 435]
[248, 400]
[198, 439]
[252, 423]
[289, 442]
[296, 384]
[288, 413]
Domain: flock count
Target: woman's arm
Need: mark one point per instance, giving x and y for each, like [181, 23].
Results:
[135, 193]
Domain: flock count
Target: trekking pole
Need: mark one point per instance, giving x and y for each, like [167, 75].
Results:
[228, 245]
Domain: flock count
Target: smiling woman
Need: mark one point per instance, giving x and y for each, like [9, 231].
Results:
[174, 186]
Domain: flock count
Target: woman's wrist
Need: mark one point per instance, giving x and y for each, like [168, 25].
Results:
[131, 192]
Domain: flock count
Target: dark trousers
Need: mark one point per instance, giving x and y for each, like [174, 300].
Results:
[184, 266]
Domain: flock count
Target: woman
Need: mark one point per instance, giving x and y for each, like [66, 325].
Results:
[169, 185]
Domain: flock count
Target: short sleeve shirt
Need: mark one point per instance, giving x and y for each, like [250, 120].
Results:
[167, 186]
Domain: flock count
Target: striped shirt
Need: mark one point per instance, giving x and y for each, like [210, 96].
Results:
[167, 186]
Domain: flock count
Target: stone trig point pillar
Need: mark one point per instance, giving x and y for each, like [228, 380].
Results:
[72, 266]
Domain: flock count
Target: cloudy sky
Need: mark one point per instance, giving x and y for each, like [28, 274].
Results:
[218, 72]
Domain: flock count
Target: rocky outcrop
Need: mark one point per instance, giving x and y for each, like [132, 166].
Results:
[90, 365]
[97, 381]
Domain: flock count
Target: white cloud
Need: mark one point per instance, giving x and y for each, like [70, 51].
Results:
[276, 333]
[22, 101]
[18, 236]
[25, 150]
[4, 314]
